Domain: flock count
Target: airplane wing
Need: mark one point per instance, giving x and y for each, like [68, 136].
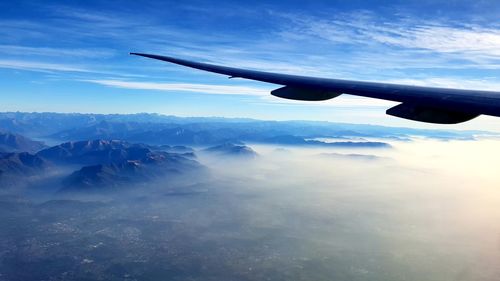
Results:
[425, 104]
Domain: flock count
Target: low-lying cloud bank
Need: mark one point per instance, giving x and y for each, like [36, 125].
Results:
[424, 210]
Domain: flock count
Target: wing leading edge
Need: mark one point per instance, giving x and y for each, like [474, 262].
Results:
[425, 104]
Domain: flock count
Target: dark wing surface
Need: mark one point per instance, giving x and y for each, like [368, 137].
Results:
[425, 104]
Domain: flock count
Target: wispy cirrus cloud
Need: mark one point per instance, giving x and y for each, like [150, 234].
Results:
[75, 71]
[445, 82]
[263, 94]
[183, 87]
[469, 40]
[420, 37]
[290, 45]
[56, 52]
[41, 66]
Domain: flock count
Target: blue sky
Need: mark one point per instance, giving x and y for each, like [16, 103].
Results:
[72, 56]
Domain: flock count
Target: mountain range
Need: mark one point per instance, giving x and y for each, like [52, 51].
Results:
[98, 151]
[95, 152]
[103, 164]
[162, 129]
[108, 164]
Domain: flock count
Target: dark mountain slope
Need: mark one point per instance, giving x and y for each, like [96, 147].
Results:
[17, 143]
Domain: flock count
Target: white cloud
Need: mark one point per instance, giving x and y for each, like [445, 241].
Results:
[40, 66]
[470, 42]
[46, 67]
[444, 39]
[184, 87]
[47, 51]
[263, 94]
[443, 82]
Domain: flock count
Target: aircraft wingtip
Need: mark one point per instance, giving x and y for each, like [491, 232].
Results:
[141, 54]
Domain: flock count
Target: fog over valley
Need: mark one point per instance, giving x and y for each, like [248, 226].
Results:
[149, 197]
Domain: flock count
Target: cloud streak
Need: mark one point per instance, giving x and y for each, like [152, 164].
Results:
[346, 101]
[471, 42]
[55, 52]
[443, 82]
[183, 87]
[40, 66]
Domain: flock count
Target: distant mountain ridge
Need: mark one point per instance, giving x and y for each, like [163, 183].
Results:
[233, 150]
[126, 173]
[299, 141]
[17, 167]
[190, 130]
[21, 164]
[10, 142]
[354, 156]
[95, 152]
